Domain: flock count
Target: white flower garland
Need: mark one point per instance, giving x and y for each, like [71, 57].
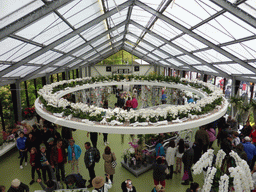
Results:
[204, 162]
[208, 180]
[224, 183]
[220, 156]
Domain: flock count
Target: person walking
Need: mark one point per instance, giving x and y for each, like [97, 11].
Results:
[18, 186]
[21, 145]
[134, 102]
[89, 161]
[93, 138]
[159, 175]
[74, 152]
[99, 184]
[187, 159]
[211, 133]
[58, 159]
[170, 158]
[203, 135]
[109, 157]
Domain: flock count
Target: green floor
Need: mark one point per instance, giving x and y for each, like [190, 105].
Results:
[9, 167]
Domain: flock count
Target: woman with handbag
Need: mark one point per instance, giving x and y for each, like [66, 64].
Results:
[110, 162]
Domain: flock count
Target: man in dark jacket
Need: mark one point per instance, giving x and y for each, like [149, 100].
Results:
[89, 161]
[187, 159]
[159, 172]
[204, 136]
[58, 159]
[18, 186]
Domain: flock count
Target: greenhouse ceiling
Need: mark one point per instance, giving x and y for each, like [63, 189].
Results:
[44, 37]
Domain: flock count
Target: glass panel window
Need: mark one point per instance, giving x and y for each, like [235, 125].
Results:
[131, 38]
[175, 62]
[2, 67]
[165, 30]
[83, 50]
[103, 47]
[89, 55]
[70, 44]
[118, 31]
[189, 43]
[153, 57]
[46, 57]
[249, 7]
[105, 51]
[48, 70]
[46, 30]
[241, 51]
[141, 50]
[205, 68]
[134, 30]
[21, 71]
[76, 62]
[188, 59]
[94, 31]
[160, 54]
[154, 40]
[118, 18]
[146, 46]
[171, 50]
[14, 10]
[140, 16]
[80, 12]
[215, 56]
[63, 61]
[100, 41]
[234, 69]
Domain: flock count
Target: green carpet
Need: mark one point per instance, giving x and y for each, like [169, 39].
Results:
[9, 167]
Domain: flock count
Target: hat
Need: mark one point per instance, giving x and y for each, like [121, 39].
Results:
[50, 140]
[247, 138]
[42, 146]
[159, 188]
[98, 182]
[16, 183]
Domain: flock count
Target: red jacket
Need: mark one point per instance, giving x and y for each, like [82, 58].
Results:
[54, 155]
[253, 135]
[128, 103]
[134, 103]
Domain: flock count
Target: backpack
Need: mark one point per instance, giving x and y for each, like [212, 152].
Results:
[97, 155]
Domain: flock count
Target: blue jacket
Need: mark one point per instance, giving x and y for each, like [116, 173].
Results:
[250, 150]
[21, 143]
[161, 150]
[77, 150]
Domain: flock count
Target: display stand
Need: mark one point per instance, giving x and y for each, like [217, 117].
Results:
[137, 171]
[7, 148]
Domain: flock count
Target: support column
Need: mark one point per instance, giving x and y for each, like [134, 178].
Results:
[205, 78]
[63, 76]
[43, 81]
[89, 71]
[35, 88]
[80, 72]
[77, 74]
[16, 99]
[48, 79]
[51, 78]
[215, 78]
[26, 92]
[85, 72]
[58, 79]
[2, 115]
[183, 74]
[66, 74]
[237, 85]
[252, 91]
[224, 85]
[169, 71]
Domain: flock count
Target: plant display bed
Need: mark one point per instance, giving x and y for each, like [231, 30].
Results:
[7, 148]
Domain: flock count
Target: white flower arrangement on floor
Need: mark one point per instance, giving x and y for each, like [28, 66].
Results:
[238, 176]
[93, 113]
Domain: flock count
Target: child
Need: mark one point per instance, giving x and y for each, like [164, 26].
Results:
[33, 154]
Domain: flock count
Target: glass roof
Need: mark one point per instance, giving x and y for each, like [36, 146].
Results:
[201, 35]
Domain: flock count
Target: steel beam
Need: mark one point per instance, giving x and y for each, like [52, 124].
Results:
[73, 51]
[180, 49]
[236, 11]
[65, 38]
[32, 17]
[194, 35]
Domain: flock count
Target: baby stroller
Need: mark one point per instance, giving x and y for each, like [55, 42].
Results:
[75, 181]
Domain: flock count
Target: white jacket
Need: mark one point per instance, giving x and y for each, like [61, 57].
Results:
[170, 155]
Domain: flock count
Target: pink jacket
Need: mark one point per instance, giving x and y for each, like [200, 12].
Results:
[211, 134]
[134, 103]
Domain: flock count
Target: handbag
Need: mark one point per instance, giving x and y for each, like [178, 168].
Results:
[185, 175]
[113, 163]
